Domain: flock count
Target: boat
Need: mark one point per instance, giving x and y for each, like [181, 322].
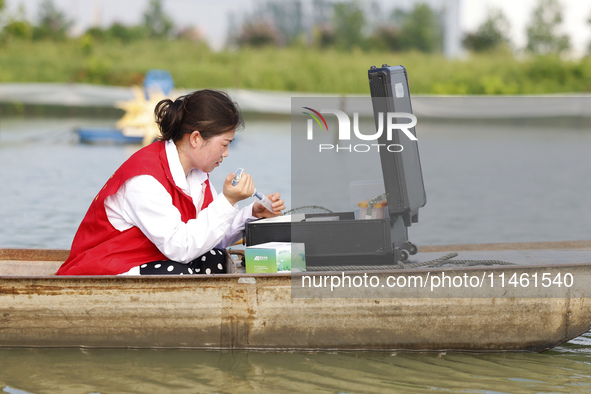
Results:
[137, 125]
[272, 312]
[105, 135]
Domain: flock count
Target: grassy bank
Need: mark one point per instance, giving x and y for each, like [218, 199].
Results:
[289, 69]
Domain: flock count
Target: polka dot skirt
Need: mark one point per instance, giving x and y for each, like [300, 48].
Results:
[212, 262]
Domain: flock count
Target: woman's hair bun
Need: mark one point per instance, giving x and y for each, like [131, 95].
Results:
[210, 112]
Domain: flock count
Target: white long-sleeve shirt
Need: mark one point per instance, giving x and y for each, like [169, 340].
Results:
[143, 202]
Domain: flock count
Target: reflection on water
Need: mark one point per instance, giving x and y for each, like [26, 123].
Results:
[149, 371]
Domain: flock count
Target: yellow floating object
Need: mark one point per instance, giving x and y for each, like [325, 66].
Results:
[138, 119]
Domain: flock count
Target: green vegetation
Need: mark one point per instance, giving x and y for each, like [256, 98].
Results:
[490, 35]
[304, 69]
[542, 32]
[283, 46]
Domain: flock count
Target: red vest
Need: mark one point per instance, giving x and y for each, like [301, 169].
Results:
[99, 248]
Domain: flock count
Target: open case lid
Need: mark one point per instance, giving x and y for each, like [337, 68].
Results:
[403, 178]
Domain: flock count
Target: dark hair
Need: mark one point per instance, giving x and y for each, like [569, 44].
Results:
[209, 111]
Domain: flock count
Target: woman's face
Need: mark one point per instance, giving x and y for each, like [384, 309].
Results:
[208, 154]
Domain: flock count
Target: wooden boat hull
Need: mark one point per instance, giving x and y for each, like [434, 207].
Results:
[259, 312]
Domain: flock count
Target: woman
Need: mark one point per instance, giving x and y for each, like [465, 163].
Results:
[158, 214]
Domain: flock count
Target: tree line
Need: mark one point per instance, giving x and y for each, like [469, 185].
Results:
[343, 25]
[349, 24]
[53, 24]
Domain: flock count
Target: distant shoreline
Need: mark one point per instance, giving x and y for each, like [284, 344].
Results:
[64, 98]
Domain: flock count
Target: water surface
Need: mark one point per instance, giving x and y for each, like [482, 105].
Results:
[567, 369]
[484, 183]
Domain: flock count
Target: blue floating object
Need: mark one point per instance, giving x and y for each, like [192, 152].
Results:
[106, 136]
[160, 79]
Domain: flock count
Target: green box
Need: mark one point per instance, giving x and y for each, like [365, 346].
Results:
[274, 257]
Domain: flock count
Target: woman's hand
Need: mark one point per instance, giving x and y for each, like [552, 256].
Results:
[243, 190]
[259, 211]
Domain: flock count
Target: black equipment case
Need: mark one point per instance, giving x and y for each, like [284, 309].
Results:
[347, 241]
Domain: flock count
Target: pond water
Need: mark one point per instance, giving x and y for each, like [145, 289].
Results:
[484, 183]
